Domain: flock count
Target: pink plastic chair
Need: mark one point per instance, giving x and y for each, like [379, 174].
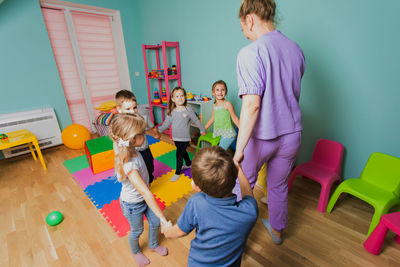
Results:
[374, 242]
[324, 168]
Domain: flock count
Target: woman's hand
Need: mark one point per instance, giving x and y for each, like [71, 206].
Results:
[238, 157]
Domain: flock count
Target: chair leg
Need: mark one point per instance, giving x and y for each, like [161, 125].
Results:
[324, 197]
[376, 218]
[374, 242]
[334, 198]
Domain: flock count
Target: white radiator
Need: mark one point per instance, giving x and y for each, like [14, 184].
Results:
[41, 122]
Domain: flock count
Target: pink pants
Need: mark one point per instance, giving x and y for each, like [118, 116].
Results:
[279, 154]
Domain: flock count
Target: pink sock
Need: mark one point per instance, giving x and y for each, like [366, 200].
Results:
[163, 251]
[141, 259]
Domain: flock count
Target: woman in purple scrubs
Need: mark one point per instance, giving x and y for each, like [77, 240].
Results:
[269, 72]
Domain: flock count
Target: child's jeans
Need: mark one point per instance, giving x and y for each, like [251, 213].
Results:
[226, 142]
[134, 214]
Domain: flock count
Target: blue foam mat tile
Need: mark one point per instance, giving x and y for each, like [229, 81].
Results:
[152, 140]
[104, 192]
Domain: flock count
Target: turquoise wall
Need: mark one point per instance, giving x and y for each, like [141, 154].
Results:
[349, 91]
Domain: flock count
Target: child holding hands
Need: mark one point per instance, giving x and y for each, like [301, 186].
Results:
[222, 116]
[127, 132]
[126, 103]
[222, 224]
[180, 117]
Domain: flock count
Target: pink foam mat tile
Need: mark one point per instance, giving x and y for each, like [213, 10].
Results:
[86, 177]
[160, 169]
[112, 212]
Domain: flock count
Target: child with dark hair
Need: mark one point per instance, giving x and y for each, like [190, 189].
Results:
[222, 224]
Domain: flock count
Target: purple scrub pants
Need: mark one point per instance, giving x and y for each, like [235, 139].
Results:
[279, 154]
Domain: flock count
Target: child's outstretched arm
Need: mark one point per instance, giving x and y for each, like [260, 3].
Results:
[173, 232]
[228, 105]
[210, 121]
[141, 187]
[165, 124]
[245, 187]
[197, 122]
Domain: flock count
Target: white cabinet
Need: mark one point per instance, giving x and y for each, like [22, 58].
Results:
[203, 109]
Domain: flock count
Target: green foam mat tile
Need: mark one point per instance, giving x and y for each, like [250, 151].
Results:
[76, 164]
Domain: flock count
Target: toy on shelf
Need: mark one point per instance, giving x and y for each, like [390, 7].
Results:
[164, 97]
[189, 96]
[152, 74]
[174, 71]
[157, 99]
[205, 98]
[159, 73]
[3, 137]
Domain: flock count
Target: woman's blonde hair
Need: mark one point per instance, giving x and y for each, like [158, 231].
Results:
[264, 9]
[124, 127]
[171, 104]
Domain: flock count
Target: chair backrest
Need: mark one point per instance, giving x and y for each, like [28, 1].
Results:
[383, 171]
[328, 154]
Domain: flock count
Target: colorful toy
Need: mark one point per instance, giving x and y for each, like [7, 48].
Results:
[153, 74]
[189, 96]
[74, 136]
[160, 74]
[164, 97]
[3, 137]
[174, 70]
[157, 99]
[205, 98]
[100, 154]
[54, 218]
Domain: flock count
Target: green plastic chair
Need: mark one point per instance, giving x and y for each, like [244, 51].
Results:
[208, 138]
[378, 185]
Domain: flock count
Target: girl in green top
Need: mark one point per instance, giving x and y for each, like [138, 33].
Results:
[222, 116]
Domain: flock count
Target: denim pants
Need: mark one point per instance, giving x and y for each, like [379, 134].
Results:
[133, 212]
[226, 142]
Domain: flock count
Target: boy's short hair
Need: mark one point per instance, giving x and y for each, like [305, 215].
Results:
[214, 172]
[124, 95]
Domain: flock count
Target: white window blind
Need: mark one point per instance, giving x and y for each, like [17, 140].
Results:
[66, 64]
[96, 47]
[83, 46]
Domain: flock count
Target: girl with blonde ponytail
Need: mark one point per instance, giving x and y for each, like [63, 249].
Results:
[127, 132]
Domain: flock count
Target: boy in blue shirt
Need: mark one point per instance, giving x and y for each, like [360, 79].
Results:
[222, 224]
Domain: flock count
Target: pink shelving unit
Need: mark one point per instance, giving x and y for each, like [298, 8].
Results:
[151, 50]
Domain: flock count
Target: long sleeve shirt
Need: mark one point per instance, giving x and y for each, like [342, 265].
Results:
[180, 124]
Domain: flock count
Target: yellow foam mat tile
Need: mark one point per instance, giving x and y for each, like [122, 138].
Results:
[160, 148]
[169, 191]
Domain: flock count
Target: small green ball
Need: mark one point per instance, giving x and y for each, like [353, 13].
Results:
[54, 218]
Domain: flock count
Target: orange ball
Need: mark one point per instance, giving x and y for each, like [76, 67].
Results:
[74, 136]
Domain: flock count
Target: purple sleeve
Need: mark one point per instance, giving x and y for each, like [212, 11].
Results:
[250, 73]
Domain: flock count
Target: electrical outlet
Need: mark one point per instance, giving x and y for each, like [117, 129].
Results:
[136, 73]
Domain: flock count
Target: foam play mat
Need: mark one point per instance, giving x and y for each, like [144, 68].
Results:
[103, 189]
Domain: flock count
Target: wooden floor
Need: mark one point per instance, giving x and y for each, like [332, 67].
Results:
[84, 238]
